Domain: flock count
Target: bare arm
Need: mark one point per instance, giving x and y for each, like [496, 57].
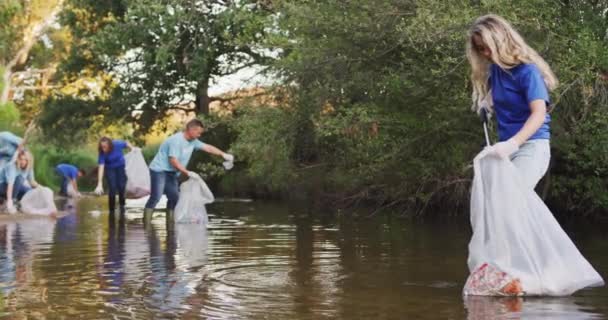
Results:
[75, 185]
[173, 161]
[100, 174]
[9, 191]
[535, 121]
[212, 150]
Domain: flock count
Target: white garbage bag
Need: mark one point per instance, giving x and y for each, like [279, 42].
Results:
[517, 241]
[38, 201]
[193, 196]
[70, 192]
[138, 175]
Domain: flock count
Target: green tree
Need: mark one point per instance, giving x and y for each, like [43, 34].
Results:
[151, 57]
[381, 97]
[24, 22]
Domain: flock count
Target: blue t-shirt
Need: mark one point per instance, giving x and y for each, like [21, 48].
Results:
[512, 92]
[67, 170]
[175, 146]
[114, 158]
[9, 173]
[8, 144]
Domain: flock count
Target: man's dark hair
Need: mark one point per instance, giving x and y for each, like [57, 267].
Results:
[194, 123]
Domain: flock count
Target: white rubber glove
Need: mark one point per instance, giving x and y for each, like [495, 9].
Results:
[228, 165]
[505, 149]
[137, 149]
[99, 190]
[10, 208]
[192, 174]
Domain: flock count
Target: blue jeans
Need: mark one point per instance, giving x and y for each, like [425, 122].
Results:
[63, 191]
[164, 182]
[117, 181]
[19, 189]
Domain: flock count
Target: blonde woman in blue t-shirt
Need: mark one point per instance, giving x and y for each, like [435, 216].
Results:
[512, 80]
[16, 179]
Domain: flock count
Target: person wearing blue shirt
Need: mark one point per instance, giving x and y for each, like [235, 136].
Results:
[511, 78]
[69, 174]
[16, 179]
[111, 161]
[171, 159]
[9, 144]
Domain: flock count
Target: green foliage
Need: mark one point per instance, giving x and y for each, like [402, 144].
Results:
[580, 168]
[375, 97]
[265, 144]
[157, 56]
[10, 119]
[9, 32]
[381, 96]
[47, 157]
[66, 119]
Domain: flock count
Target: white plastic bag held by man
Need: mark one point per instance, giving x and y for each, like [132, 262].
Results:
[194, 195]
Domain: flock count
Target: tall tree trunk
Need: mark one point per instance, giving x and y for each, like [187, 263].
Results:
[20, 57]
[6, 80]
[202, 97]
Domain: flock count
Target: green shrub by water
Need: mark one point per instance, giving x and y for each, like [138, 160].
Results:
[9, 119]
[47, 157]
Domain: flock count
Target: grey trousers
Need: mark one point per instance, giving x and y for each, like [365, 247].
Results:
[532, 160]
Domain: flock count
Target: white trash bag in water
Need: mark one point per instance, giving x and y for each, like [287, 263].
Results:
[38, 201]
[70, 192]
[518, 248]
[193, 196]
[138, 175]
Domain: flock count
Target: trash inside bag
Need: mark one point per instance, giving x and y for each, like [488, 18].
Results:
[488, 280]
[38, 201]
[193, 196]
[138, 175]
[517, 246]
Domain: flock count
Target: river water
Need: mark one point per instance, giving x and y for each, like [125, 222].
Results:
[258, 260]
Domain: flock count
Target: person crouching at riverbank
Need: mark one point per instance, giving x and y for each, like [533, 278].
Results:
[69, 175]
[16, 179]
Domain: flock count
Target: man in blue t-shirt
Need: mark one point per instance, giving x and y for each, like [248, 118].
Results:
[172, 159]
[69, 174]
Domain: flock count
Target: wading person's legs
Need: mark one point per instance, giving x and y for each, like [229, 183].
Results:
[122, 183]
[157, 180]
[111, 178]
[532, 160]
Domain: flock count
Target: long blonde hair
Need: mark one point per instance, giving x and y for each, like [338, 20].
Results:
[508, 50]
[30, 160]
